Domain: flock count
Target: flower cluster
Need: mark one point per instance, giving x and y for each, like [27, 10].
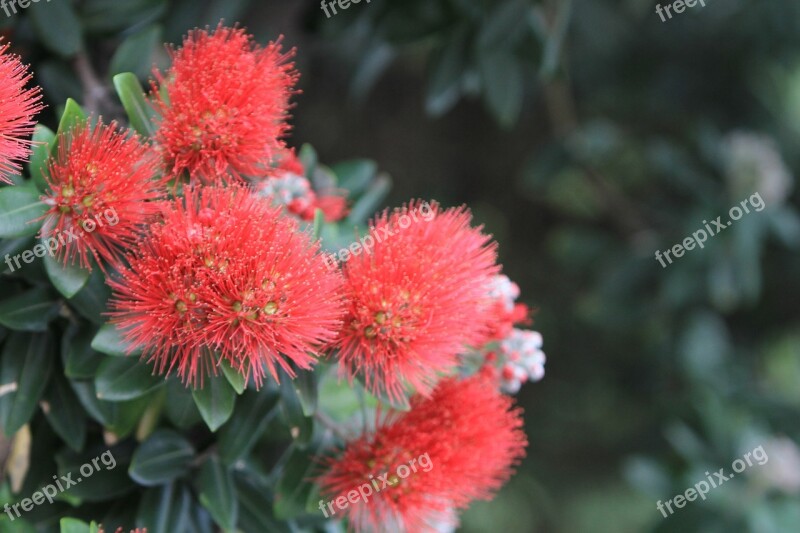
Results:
[473, 437]
[210, 260]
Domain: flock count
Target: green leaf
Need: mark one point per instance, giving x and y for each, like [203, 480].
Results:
[57, 26]
[27, 361]
[110, 342]
[125, 378]
[20, 208]
[165, 509]
[301, 426]
[255, 499]
[162, 458]
[43, 139]
[295, 486]
[135, 54]
[72, 525]
[371, 200]
[140, 112]
[217, 493]
[355, 175]
[447, 68]
[245, 427]
[308, 157]
[30, 311]
[215, 401]
[80, 360]
[180, 407]
[67, 279]
[65, 413]
[73, 116]
[503, 86]
[234, 377]
[91, 301]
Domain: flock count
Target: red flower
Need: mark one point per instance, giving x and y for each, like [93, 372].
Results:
[18, 106]
[416, 297]
[227, 272]
[505, 312]
[225, 105]
[458, 445]
[103, 185]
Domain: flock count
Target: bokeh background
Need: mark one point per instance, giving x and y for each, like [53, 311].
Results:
[585, 135]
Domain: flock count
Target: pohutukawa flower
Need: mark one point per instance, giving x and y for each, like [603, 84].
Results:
[227, 276]
[416, 298]
[465, 431]
[103, 188]
[18, 106]
[225, 105]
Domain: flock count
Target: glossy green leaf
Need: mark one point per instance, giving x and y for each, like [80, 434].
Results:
[91, 301]
[180, 407]
[215, 401]
[162, 458]
[125, 378]
[68, 279]
[73, 116]
[165, 509]
[245, 427]
[65, 413]
[140, 111]
[110, 342]
[27, 361]
[20, 207]
[234, 377]
[105, 478]
[32, 310]
[73, 525]
[80, 360]
[43, 139]
[217, 493]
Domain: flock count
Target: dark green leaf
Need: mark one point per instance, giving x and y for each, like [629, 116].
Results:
[20, 208]
[80, 360]
[32, 310]
[180, 408]
[301, 426]
[215, 401]
[105, 480]
[165, 509]
[217, 493]
[69, 279]
[162, 458]
[57, 26]
[503, 87]
[125, 378]
[90, 302]
[245, 427]
[73, 116]
[27, 361]
[73, 525]
[371, 200]
[135, 54]
[355, 175]
[65, 413]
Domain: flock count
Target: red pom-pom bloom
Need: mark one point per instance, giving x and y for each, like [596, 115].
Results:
[225, 105]
[103, 187]
[416, 297]
[18, 106]
[226, 272]
[458, 445]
